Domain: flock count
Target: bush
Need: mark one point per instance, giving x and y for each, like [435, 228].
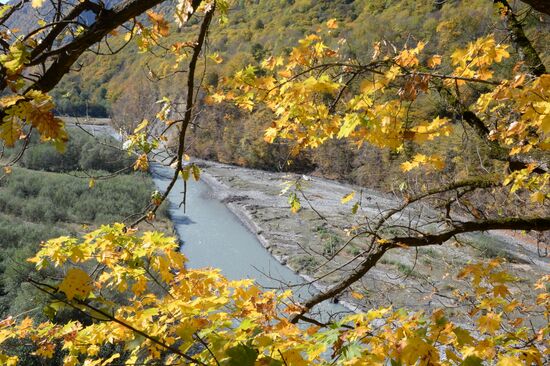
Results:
[82, 152]
[48, 197]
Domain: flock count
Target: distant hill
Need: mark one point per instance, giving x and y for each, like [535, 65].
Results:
[28, 17]
[119, 85]
[254, 32]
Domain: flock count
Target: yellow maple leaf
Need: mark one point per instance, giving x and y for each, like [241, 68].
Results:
[76, 283]
[434, 61]
[37, 3]
[142, 163]
[332, 24]
[10, 131]
[538, 197]
[161, 26]
[143, 125]
[10, 100]
[348, 197]
[196, 172]
[489, 323]
[216, 58]
[285, 73]
[458, 57]
[509, 361]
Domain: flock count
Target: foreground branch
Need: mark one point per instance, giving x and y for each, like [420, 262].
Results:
[536, 223]
[52, 292]
[188, 116]
[540, 5]
[526, 51]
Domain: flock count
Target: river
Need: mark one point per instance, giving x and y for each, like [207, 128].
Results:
[212, 236]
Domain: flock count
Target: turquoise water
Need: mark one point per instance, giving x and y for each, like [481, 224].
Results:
[212, 236]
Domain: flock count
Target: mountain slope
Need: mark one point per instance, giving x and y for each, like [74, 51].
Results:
[253, 34]
[120, 85]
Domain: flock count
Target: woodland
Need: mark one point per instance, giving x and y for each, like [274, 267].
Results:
[440, 104]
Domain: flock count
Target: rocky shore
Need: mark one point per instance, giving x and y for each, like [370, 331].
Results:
[305, 241]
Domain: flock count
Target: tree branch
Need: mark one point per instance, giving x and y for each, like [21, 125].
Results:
[58, 27]
[536, 223]
[496, 151]
[104, 24]
[539, 5]
[526, 51]
[513, 223]
[197, 49]
[42, 287]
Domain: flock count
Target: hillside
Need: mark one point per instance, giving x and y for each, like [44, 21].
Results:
[250, 36]
[126, 85]
[27, 17]
[48, 195]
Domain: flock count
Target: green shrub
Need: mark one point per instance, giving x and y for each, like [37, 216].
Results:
[82, 152]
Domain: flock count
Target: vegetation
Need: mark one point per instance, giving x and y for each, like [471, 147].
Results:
[47, 199]
[230, 136]
[82, 152]
[131, 299]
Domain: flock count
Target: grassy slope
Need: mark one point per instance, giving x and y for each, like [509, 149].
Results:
[37, 205]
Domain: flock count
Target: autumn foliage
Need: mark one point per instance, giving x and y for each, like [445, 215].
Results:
[178, 316]
[138, 302]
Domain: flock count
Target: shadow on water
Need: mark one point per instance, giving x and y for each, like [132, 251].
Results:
[177, 218]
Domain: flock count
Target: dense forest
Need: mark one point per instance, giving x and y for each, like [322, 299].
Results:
[126, 86]
[425, 123]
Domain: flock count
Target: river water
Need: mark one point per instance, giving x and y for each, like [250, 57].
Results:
[212, 236]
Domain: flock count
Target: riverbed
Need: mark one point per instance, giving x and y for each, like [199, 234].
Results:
[212, 236]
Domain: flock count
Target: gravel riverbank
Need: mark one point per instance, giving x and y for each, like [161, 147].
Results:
[303, 241]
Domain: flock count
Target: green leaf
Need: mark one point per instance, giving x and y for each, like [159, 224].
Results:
[241, 355]
[185, 172]
[463, 336]
[472, 361]
[352, 350]
[268, 361]
[355, 208]
[294, 202]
